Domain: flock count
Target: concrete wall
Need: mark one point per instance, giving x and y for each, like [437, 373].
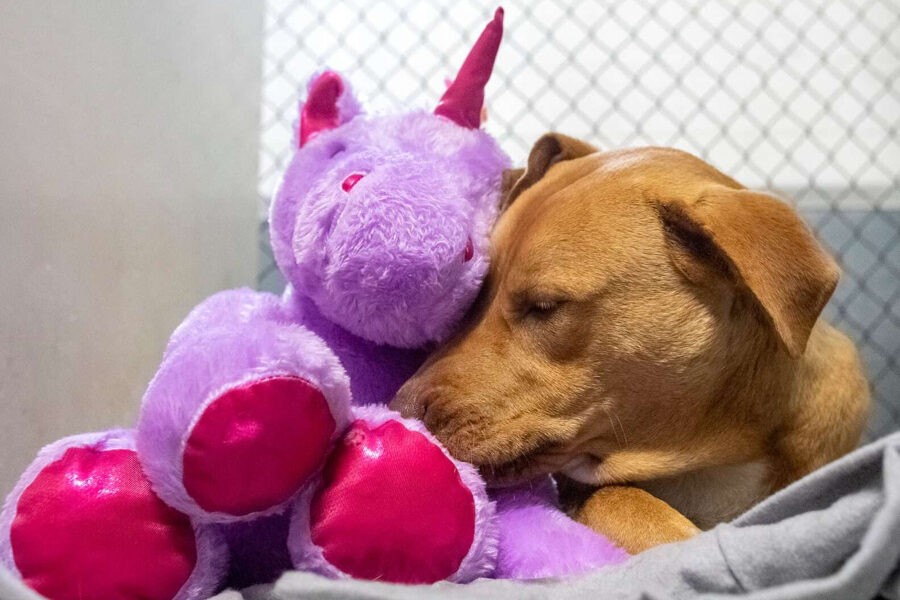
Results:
[128, 164]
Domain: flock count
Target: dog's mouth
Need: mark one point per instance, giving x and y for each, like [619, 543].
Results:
[524, 467]
[508, 473]
[540, 461]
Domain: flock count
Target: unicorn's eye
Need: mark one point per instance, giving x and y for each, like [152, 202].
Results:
[336, 149]
[351, 180]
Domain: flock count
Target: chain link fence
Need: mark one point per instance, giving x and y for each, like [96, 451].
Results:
[798, 97]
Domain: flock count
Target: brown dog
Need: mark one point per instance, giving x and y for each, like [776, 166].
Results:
[646, 320]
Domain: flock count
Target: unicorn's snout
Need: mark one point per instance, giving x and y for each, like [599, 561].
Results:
[407, 266]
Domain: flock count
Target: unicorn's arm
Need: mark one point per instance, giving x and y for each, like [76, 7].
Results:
[242, 410]
[538, 540]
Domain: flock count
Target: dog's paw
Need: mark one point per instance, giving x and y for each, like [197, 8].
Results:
[394, 506]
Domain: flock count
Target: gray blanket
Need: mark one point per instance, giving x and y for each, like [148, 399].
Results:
[833, 535]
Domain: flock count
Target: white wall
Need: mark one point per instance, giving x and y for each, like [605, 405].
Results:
[128, 165]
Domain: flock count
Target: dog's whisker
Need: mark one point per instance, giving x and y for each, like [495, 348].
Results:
[613, 425]
[624, 435]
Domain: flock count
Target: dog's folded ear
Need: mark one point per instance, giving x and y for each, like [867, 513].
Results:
[509, 179]
[761, 245]
[550, 149]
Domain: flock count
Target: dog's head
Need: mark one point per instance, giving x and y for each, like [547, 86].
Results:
[629, 292]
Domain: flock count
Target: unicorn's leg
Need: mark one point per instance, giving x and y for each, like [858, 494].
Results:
[392, 505]
[242, 411]
[83, 522]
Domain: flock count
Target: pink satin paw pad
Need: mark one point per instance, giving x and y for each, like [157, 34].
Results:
[392, 507]
[89, 526]
[256, 444]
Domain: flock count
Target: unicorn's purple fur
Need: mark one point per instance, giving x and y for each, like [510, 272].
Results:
[538, 540]
[376, 371]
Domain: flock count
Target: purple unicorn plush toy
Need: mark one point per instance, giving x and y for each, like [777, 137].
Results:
[264, 438]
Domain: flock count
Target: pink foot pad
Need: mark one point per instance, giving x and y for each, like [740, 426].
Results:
[392, 507]
[256, 444]
[89, 526]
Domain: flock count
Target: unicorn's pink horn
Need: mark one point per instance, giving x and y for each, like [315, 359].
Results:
[462, 101]
[320, 111]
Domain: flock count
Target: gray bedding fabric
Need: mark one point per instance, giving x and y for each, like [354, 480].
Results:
[834, 535]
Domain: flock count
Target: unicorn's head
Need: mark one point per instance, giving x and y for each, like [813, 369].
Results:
[383, 221]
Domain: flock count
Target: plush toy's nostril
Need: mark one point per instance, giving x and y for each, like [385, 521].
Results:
[351, 180]
[469, 252]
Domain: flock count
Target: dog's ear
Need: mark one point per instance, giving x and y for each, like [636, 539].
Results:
[509, 179]
[550, 149]
[759, 244]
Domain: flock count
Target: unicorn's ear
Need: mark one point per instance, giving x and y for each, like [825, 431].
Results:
[329, 103]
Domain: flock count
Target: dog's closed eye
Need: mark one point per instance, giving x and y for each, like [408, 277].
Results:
[540, 308]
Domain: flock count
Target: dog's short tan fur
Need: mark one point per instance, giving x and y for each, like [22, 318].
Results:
[648, 321]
